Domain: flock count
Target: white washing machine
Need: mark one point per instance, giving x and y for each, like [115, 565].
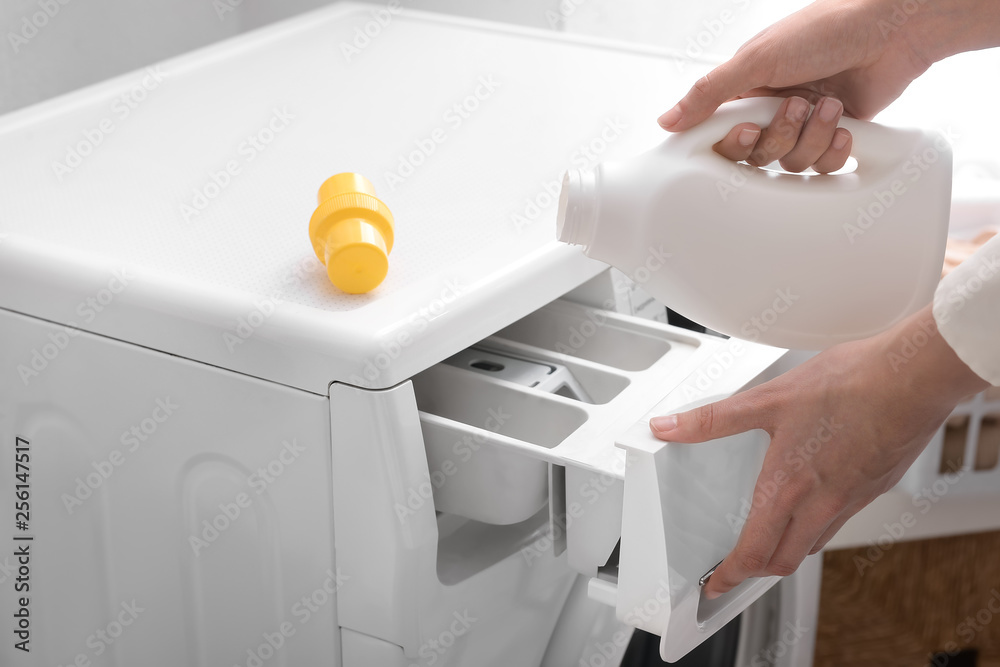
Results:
[214, 458]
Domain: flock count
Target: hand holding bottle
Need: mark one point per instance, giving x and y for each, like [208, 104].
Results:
[842, 57]
[851, 57]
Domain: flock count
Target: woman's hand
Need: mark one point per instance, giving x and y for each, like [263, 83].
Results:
[876, 405]
[843, 57]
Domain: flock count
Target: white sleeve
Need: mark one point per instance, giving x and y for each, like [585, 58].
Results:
[967, 311]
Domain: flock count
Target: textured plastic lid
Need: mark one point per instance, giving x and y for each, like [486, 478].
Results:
[194, 182]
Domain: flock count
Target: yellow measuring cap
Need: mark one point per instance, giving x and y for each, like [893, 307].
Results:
[351, 231]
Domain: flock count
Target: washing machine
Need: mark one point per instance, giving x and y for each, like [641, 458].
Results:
[213, 457]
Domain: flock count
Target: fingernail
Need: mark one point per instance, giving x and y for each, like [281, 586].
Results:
[797, 109]
[711, 595]
[662, 424]
[829, 109]
[839, 140]
[746, 137]
[670, 118]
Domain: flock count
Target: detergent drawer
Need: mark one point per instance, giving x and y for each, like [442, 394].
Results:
[554, 410]
[496, 415]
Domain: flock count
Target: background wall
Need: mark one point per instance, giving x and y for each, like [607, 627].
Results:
[54, 46]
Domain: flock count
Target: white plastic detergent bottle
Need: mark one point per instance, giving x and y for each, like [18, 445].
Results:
[790, 260]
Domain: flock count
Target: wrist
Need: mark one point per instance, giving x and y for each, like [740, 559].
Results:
[935, 30]
[926, 364]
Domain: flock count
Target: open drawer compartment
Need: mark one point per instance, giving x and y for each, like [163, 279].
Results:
[495, 416]
[644, 519]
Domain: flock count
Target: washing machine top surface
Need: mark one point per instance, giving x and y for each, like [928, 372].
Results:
[170, 207]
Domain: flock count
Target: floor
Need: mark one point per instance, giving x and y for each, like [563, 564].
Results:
[897, 605]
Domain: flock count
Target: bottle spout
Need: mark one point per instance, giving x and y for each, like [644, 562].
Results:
[577, 215]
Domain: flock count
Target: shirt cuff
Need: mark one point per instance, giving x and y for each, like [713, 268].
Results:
[967, 311]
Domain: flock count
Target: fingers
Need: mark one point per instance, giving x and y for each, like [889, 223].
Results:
[796, 138]
[721, 84]
[836, 155]
[778, 535]
[739, 142]
[758, 540]
[780, 136]
[816, 137]
[801, 535]
[733, 415]
[834, 528]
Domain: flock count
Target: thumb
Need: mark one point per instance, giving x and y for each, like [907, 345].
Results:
[708, 422]
[725, 82]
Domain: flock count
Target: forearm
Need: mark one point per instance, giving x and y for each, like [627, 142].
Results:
[936, 29]
[926, 365]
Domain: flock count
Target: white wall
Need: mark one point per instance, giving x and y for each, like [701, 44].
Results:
[84, 41]
[717, 27]
[54, 46]
[78, 42]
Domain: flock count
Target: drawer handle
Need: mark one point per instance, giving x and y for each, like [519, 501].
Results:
[708, 575]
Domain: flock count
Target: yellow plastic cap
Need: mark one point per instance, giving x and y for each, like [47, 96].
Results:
[352, 232]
